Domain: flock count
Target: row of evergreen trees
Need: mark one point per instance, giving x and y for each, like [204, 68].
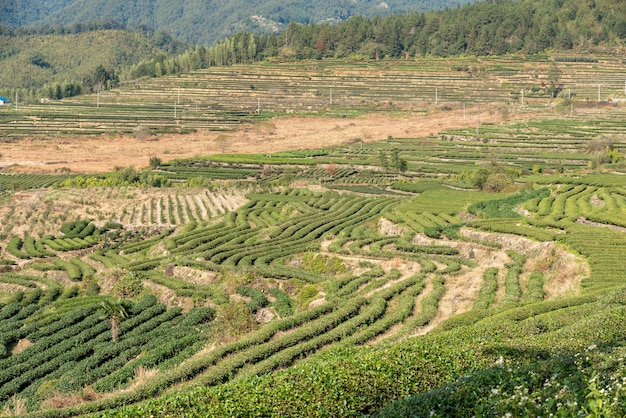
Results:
[98, 80]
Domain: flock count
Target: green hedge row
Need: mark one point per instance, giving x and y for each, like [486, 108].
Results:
[487, 293]
[258, 300]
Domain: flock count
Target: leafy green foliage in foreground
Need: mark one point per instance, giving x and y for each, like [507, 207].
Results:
[73, 335]
[514, 353]
[528, 361]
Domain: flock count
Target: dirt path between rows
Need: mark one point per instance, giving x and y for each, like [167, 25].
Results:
[98, 154]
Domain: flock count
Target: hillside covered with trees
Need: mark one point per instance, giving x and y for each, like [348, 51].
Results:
[81, 60]
[202, 21]
[479, 29]
[42, 61]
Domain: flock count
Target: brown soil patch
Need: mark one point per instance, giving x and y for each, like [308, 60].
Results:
[21, 345]
[596, 201]
[462, 291]
[12, 288]
[168, 296]
[98, 154]
[41, 212]
[563, 271]
[195, 276]
[390, 229]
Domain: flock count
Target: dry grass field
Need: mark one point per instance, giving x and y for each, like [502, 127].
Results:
[37, 155]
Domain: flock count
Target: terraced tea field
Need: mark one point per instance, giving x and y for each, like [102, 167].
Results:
[370, 271]
[314, 262]
[222, 98]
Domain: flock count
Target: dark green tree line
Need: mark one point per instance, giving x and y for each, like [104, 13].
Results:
[493, 27]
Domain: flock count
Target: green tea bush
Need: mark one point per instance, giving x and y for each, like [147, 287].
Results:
[86, 269]
[430, 306]
[322, 264]
[307, 294]
[534, 287]
[14, 247]
[450, 230]
[286, 356]
[512, 288]
[257, 299]
[284, 305]
[504, 208]
[29, 247]
[73, 229]
[16, 279]
[73, 271]
[427, 249]
[487, 293]
[128, 286]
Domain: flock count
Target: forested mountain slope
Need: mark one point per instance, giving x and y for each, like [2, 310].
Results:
[203, 21]
[33, 57]
[33, 62]
[479, 29]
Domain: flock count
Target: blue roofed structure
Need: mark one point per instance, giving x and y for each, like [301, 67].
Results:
[4, 100]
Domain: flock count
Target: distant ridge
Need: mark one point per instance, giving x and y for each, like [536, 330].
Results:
[203, 21]
[68, 57]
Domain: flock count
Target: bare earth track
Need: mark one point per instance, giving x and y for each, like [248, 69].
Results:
[98, 154]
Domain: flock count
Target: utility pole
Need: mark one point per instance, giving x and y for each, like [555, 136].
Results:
[258, 106]
[98, 99]
[331, 97]
[16, 101]
[175, 111]
[522, 97]
[178, 102]
[436, 96]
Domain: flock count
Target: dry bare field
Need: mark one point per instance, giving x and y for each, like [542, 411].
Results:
[102, 153]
